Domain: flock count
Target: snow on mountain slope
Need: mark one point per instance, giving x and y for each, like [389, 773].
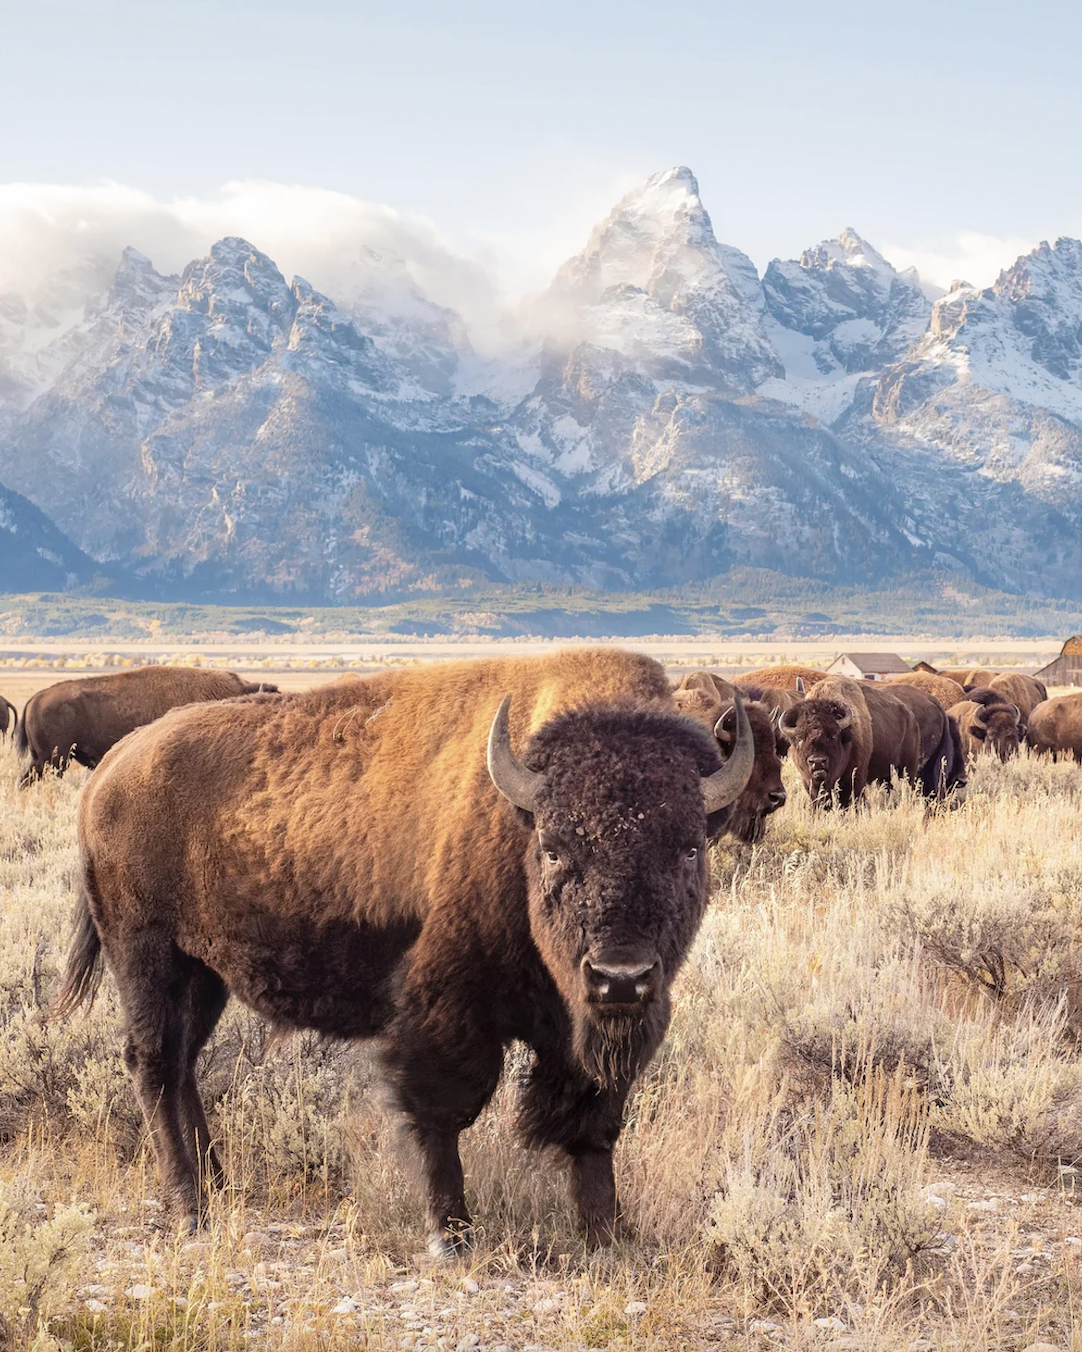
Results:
[996, 382]
[835, 317]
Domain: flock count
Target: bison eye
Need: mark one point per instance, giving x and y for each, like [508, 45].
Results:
[552, 856]
[692, 854]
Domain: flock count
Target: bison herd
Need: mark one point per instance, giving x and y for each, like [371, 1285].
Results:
[452, 858]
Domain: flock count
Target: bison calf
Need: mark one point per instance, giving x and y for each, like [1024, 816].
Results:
[352, 860]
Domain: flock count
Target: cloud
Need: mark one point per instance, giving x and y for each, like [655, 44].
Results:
[966, 256]
[342, 245]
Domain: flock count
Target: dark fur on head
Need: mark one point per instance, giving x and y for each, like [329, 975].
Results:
[611, 873]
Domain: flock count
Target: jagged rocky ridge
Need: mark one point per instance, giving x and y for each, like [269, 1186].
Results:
[663, 415]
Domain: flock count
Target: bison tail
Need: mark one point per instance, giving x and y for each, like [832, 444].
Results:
[83, 974]
[941, 770]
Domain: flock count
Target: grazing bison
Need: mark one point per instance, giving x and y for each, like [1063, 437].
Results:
[1055, 727]
[848, 733]
[945, 691]
[347, 860]
[987, 721]
[9, 716]
[782, 678]
[1024, 692]
[80, 720]
[711, 701]
[942, 769]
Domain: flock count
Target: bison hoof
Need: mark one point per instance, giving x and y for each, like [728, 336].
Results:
[445, 1248]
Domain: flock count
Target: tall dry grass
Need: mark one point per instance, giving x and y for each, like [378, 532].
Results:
[876, 998]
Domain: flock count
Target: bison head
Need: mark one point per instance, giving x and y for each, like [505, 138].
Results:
[819, 733]
[996, 727]
[621, 801]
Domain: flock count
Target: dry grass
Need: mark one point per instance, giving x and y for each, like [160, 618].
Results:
[868, 1113]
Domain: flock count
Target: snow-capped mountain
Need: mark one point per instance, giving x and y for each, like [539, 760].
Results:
[661, 416]
[995, 383]
[836, 318]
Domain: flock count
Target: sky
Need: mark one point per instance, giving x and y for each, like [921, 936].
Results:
[497, 133]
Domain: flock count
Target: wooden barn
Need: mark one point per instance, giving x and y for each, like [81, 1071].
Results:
[1067, 667]
[867, 666]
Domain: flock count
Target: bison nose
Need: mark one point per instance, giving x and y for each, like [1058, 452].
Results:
[776, 798]
[817, 762]
[610, 982]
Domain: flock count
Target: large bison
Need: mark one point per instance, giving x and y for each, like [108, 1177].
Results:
[9, 716]
[80, 720]
[711, 701]
[1024, 692]
[347, 860]
[847, 734]
[943, 689]
[1055, 726]
[988, 722]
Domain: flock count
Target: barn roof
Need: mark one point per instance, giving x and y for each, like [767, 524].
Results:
[1073, 647]
[875, 663]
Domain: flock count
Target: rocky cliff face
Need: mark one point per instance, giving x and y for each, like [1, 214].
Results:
[663, 416]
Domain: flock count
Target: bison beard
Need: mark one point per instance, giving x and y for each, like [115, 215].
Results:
[613, 1048]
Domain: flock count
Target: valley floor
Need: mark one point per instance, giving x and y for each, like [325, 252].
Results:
[864, 1131]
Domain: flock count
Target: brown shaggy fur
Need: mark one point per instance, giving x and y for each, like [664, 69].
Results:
[9, 716]
[708, 699]
[80, 720]
[882, 740]
[783, 678]
[1055, 727]
[1024, 692]
[945, 691]
[988, 722]
[341, 860]
[942, 768]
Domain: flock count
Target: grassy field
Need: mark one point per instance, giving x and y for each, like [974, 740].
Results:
[864, 1131]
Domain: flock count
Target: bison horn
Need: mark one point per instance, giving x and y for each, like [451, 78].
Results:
[846, 718]
[1016, 714]
[517, 784]
[801, 688]
[724, 786]
[724, 728]
[980, 716]
[788, 722]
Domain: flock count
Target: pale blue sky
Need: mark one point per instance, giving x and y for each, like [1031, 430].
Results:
[522, 123]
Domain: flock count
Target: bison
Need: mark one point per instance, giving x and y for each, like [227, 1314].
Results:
[941, 772]
[9, 716]
[848, 733]
[987, 721]
[1055, 727]
[80, 720]
[711, 701]
[352, 860]
[782, 678]
[1024, 692]
[943, 689]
